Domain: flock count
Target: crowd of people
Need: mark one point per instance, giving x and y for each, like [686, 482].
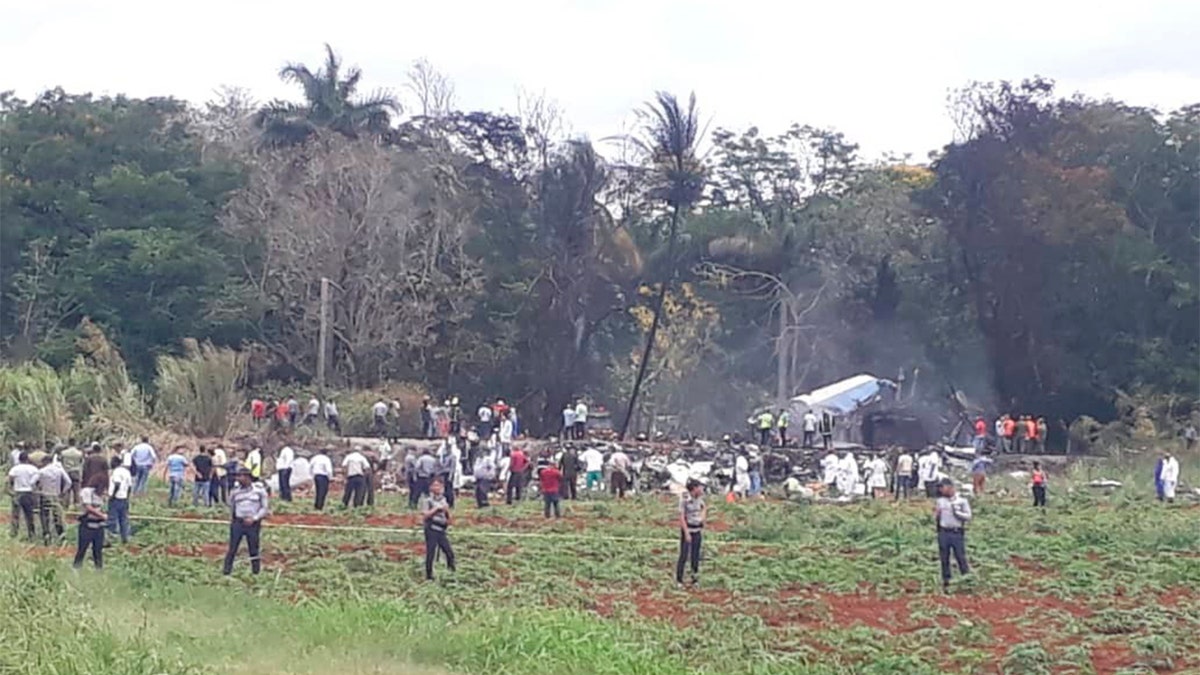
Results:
[44, 483]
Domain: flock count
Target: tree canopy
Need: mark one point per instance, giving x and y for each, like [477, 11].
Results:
[1046, 261]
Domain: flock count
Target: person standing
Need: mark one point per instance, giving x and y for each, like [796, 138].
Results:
[1170, 476]
[53, 490]
[980, 435]
[455, 413]
[293, 411]
[765, 422]
[283, 468]
[249, 505]
[94, 464]
[827, 424]
[425, 470]
[281, 414]
[904, 470]
[447, 468]
[202, 468]
[979, 469]
[848, 475]
[829, 469]
[435, 511]
[427, 430]
[1042, 430]
[810, 429]
[568, 464]
[876, 474]
[782, 421]
[755, 471]
[379, 413]
[321, 469]
[581, 420]
[332, 419]
[1031, 435]
[1008, 433]
[693, 513]
[484, 414]
[91, 521]
[621, 467]
[144, 457]
[356, 466]
[1189, 435]
[1037, 481]
[313, 412]
[22, 481]
[951, 514]
[410, 475]
[258, 410]
[177, 465]
[517, 463]
[485, 473]
[220, 488]
[120, 485]
[506, 432]
[549, 483]
[72, 462]
[930, 466]
[1158, 484]
[593, 466]
[568, 421]
[254, 463]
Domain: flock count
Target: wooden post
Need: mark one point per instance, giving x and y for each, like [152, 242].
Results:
[323, 338]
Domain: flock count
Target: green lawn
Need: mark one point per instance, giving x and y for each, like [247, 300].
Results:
[1098, 583]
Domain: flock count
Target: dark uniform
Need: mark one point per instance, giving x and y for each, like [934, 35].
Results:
[951, 514]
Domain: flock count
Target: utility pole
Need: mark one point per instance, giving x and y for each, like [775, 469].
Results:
[323, 338]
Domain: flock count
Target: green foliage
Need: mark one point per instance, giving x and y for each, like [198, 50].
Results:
[33, 406]
[198, 393]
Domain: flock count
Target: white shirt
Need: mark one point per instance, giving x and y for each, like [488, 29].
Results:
[24, 477]
[127, 459]
[1170, 470]
[620, 461]
[592, 459]
[568, 416]
[331, 409]
[14, 457]
[380, 409]
[810, 421]
[485, 413]
[53, 480]
[904, 464]
[506, 431]
[581, 412]
[219, 458]
[928, 466]
[286, 458]
[314, 407]
[254, 460]
[321, 466]
[878, 471]
[848, 466]
[355, 464]
[119, 483]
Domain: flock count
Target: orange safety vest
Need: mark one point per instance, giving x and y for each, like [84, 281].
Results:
[1031, 430]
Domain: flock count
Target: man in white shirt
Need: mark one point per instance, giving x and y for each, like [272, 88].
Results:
[53, 488]
[283, 467]
[848, 475]
[876, 474]
[314, 411]
[379, 413]
[485, 421]
[581, 418]
[593, 465]
[356, 466]
[332, 419]
[1169, 476]
[14, 457]
[904, 470]
[322, 470]
[741, 477]
[144, 457]
[22, 479]
[951, 514]
[829, 469]
[506, 433]
[219, 487]
[928, 467]
[120, 484]
[620, 477]
[810, 429]
[254, 463]
[568, 419]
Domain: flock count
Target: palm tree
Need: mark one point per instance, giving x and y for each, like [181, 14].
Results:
[670, 139]
[329, 102]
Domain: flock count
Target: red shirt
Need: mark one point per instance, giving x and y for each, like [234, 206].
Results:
[281, 410]
[258, 408]
[1039, 478]
[1031, 429]
[1010, 427]
[549, 479]
[980, 428]
[517, 462]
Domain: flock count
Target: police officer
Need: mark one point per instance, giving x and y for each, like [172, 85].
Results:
[951, 514]
[249, 505]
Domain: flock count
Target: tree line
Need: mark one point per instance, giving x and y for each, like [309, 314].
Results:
[1044, 260]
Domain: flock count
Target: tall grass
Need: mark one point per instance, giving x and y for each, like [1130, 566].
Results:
[198, 392]
[33, 405]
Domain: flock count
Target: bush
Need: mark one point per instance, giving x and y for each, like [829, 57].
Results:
[33, 406]
[355, 408]
[198, 393]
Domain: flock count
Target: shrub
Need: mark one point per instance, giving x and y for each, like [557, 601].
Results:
[198, 392]
[33, 406]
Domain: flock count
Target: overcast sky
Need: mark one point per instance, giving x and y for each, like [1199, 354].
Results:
[877, 71]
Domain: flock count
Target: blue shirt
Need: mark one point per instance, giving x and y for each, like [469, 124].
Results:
[981, 465]
[176, 464]
[143, 455]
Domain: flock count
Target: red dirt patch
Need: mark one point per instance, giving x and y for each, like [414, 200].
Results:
[1110, 658]
[1032, 567]
[302, 519]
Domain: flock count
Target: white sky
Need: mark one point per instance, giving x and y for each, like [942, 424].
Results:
[877, 71]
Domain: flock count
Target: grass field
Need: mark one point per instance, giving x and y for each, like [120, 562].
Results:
[1099, 583]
